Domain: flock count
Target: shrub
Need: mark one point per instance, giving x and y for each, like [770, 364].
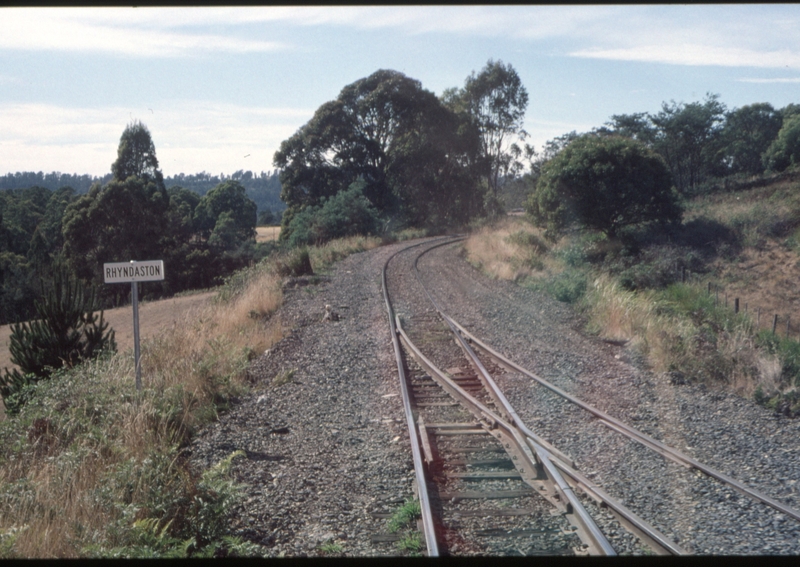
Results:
[65, 332]
[785, 150]
[296, 263]
[604, 183]
[345, 214]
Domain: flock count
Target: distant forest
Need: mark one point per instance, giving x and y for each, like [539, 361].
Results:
[264, 189]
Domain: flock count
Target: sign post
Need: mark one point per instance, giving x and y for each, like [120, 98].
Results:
[134, 272]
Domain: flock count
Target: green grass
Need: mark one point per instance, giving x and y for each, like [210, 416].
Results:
[331, 548]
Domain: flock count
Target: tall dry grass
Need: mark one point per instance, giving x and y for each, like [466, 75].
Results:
[510, 249]
[679, 329]
[85, 446]
[88, 454]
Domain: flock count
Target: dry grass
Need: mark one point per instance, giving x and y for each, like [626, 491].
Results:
[50, 481]
[504, 251]
[88, 447]
[267, 233]
[322, 257]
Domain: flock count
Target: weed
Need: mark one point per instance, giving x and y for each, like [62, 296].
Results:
[411, 542]
[91, 466]
[286, 377]
[404, 515]
[568, 286]
[296, 262]
[331, 548]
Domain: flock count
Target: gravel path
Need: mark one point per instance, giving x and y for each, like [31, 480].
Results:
[328, 452]
[722, 430]
[329, 449]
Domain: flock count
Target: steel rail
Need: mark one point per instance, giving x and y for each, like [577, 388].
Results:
[579, 517]
[647, 532]
[561, 496]
[636, 435]
[643, 529]
[617, 425]
[428, 526]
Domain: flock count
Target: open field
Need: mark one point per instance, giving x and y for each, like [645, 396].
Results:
[153, 317]
[267, 233]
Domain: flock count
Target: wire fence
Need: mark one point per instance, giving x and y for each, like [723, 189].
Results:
[774, 321]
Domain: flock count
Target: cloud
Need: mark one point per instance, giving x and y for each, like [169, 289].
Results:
[744, 35]
[693, 54]
[775, 80]
[95, 30]
[190, 136]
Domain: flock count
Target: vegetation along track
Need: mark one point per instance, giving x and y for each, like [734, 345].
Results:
[476, 461]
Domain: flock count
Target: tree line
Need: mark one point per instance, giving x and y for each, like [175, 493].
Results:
[637, 167]
[401, 156]
[133, 216]
[263, 188]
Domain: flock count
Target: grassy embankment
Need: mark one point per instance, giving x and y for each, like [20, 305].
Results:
[745, 242]
[91, 467]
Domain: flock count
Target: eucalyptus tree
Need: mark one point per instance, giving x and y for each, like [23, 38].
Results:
[493, 103]
[394, 136]
[747, 134]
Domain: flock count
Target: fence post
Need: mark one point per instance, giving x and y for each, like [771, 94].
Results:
[774, 323]
[788, 318]
[736, 305]
[758, 317]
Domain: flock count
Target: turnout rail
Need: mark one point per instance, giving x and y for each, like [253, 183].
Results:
[429, 392]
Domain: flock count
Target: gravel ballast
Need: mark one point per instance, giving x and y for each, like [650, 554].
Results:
[328, 455]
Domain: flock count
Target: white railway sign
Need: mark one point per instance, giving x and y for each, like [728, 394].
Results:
[134, 272]
[127, 272]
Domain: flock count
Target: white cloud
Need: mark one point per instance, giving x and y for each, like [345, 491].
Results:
[190, 136]
[85, 29]
[744, 35]
[776, 80]
[693, 54]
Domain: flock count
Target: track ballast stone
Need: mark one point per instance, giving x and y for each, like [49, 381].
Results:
[328, 455]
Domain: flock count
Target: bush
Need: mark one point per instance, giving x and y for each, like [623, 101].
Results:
[604, 183]
[65, 332]
[296, 263]
[785, 150]
[345, 214]
[568, 286]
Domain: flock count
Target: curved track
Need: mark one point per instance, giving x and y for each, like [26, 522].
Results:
[447, 411]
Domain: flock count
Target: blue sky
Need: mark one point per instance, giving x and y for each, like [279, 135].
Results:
[220, 88]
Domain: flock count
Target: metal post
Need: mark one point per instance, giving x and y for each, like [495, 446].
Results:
[736, 305]
[774, 323]
[137, 359]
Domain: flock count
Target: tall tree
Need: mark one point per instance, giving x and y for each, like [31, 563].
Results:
[128, 219]
[784, 151]
[388, 131]
[226, 209]
[494, 102]
[747, 134]
[689, 138]
[136, 155]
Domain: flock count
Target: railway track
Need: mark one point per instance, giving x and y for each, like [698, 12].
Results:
[488, 484]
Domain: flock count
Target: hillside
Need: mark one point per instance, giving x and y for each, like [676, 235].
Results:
[761, 265]
[742, 241]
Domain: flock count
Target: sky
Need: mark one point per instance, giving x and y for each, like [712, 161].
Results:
[221, 88]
